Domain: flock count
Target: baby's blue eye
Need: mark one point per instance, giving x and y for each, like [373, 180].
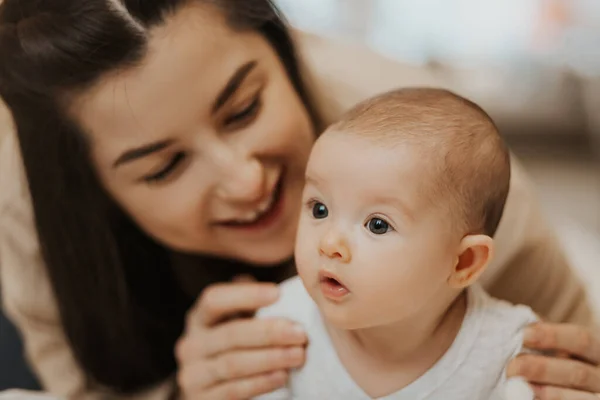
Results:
[320, 211]
[378, 226]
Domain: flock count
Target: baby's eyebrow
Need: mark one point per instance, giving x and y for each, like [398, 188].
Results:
[312, 180]
[396, 203]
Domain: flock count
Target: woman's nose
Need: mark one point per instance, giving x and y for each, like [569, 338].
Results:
[242, 180]
[335, 246]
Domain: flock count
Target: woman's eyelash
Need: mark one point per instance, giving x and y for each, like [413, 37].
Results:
[166, 171]
[247, 112]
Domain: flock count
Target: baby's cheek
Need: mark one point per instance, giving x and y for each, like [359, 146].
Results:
[402, 286]
[306, 252]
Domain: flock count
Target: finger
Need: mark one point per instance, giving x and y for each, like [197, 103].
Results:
[244, 278]
[556, 393]
[248, 388]
[219, 301]
[565, 373]
[241, 334]
[239, 365]
[573, 339]
[242, 364]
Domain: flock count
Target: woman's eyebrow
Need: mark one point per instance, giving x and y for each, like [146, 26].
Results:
[140, 152]
[230, 88]
[233, 84]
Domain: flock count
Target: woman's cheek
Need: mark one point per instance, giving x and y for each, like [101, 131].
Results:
[172, 208]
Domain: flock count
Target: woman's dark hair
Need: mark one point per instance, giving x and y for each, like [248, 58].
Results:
[120, 305]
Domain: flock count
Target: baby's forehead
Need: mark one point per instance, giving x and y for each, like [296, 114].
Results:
[393, 145]
[374, 166]
[420, 116]
[405, 163]
[365, 147]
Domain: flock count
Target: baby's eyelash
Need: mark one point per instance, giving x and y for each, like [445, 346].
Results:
[382, 218]
[310, 203]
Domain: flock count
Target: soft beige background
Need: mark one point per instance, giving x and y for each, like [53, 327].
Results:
[569, 188]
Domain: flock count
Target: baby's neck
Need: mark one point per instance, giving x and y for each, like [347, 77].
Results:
[384, 359]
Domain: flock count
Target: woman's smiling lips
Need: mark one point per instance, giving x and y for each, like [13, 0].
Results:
[266, 214]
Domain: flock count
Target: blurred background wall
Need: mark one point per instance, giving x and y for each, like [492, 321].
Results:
[534, 65]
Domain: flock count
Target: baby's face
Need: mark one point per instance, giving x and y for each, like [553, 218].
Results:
[369, 251]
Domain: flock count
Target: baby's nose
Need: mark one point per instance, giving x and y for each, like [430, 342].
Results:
[335, 246]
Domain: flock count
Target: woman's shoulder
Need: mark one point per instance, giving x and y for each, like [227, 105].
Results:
[350, 72]
[22, 271]
[12, 174]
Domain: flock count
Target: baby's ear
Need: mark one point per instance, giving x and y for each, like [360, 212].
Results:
[474, 254]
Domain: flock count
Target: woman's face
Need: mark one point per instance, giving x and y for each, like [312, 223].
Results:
[205, 143]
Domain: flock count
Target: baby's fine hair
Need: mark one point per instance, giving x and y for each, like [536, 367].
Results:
[467, 164]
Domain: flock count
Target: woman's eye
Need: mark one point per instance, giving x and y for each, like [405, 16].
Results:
[245, 114]
[319, 210]
[167, 169]
[378, 226]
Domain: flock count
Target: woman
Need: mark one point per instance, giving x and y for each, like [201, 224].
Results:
[163, 145]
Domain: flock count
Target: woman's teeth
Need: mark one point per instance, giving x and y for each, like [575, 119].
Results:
[254, 215]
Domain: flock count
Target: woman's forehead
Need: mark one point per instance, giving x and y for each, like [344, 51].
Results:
[181, 51]
[190, 60]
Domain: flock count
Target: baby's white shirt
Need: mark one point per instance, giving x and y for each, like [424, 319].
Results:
[473, 368]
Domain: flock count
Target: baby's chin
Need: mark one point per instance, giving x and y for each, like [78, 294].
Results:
[344, 317]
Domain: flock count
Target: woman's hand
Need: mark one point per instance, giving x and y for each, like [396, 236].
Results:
[225, 356]
[573, 374]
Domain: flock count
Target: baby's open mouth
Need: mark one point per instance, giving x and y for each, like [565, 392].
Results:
[332, 282]
[332, 287]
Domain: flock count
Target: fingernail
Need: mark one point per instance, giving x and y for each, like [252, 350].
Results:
[537, 391]
[271, 294]
[296, 354]
[278, 378]
[531, 336]
[512, 370]
[298, 331]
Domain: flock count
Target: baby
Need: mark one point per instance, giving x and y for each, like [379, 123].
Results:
[401, 202]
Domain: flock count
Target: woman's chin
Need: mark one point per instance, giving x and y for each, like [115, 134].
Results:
[274, 251]
[264, 260]
[269, 255]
